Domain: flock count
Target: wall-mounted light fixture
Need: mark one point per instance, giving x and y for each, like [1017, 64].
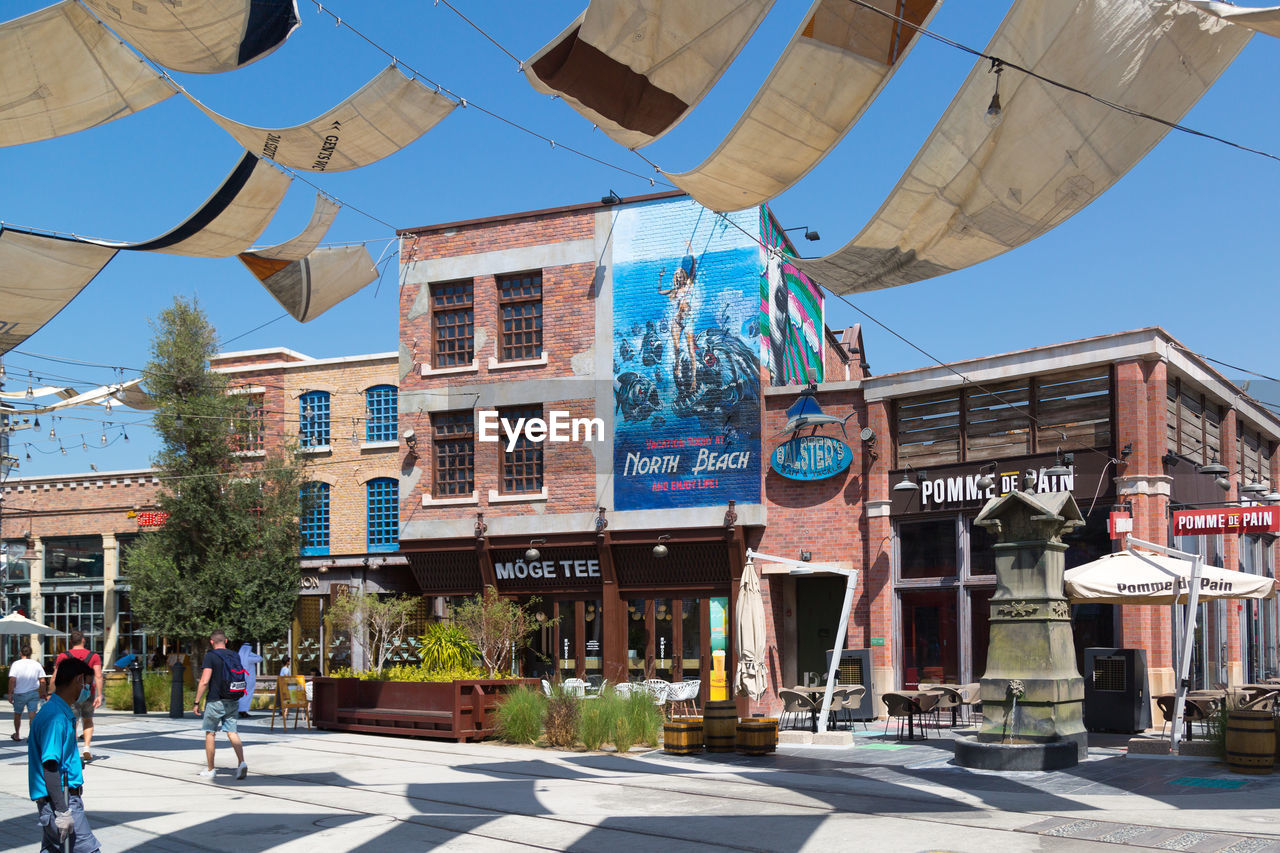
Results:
[806, 556]
[906, 485]
[611, 199]
[533, 554]
[809, 233]
[660, 551]
[481, 527]
[730, 515]
[601, 522]
[411, 440]
[1062, 468]
[1215, 467]
[986, 480]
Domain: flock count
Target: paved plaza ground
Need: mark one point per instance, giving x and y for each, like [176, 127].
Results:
[315, 792]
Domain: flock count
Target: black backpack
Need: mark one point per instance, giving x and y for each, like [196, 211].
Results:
[234, 678]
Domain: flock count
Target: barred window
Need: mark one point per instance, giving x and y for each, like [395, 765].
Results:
[522, 466]
[250, 424]
[453, 323]
[314, 521]
[520, 306]
[313, 419]
[380, 413]
[383, 514]
[453, 434]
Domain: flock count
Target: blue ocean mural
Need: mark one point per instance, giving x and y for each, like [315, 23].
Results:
[686, 359]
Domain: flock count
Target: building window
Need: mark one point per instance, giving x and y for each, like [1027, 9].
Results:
[73, 558]
[314, 524]
[383, 514]
[455, 451]
[520, 305]
[522, 465]
[453, 323]
[380, 413]
[250, 424]
[313, 419]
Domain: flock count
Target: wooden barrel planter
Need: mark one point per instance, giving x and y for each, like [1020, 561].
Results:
[720, 725]
[1277, 727]
[682, 736]
[1251, 741]
[757, 735]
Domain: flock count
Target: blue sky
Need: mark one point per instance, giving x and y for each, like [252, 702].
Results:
[1184, 241]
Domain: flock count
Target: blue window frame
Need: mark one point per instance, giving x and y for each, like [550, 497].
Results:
[313, 419]
[314, 523]
[384, 514]
[380, 413]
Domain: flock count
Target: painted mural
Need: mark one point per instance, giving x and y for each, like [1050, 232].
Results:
[791, 314]
[686, 360]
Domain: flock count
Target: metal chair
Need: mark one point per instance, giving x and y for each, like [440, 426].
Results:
[902, 707]
[794, 702]
[657, 690]
[852, 702]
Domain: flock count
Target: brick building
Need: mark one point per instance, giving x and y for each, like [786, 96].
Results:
[627, 313]
[70, 535]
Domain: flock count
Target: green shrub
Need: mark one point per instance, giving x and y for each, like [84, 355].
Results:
[520, 715]
[410, 672]
[565, 713]
[118, 695]
[446, 647]
[624, 734]
[599, 720]
[644, 719]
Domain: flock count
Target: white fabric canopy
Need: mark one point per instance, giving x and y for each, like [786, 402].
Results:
[39, 275]
[201, 36]
[752, 675]
[834, 67]
[634, 68]
[322, 216]
[16, 623]
[308, 287]
[974, 192]
[232, 218]
[386, 114]
[1141, 577]
[36, 393]
[61, 71]
[1262, 20]
[97, 396]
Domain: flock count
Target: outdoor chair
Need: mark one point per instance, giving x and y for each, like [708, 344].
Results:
[546, 688]
[291, 695]
[1265, 702]
[1196, 710]
[852, 702]
[794, 703]
[972, 699]
[902, 707]
[622, 688]
[833, 711]
[575, 687]
[657, 690]
[682, 698]
[949, 699]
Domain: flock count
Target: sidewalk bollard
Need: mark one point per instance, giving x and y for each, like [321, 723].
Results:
[139, 695]
[175, 691]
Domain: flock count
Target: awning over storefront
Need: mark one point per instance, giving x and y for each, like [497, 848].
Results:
[1140, 577]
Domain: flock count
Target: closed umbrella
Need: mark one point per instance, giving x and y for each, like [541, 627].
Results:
[16, 623]
[1139, 577]
[749, 632]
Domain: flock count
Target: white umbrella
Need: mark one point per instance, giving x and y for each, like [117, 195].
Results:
[1140, 577]
[16, 623]
[752, 674]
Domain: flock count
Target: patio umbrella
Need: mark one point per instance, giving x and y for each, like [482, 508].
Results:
[1140, 577]
[16, 623]
[749, 633]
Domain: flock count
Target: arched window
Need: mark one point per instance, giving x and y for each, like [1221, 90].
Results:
[380, 413]
[384, 514]
[313, 419]
[314, 519]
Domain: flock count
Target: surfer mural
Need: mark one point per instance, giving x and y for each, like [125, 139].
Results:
[686, 357]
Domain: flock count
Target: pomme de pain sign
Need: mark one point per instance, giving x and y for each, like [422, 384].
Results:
[1245, 519]
[811, 457]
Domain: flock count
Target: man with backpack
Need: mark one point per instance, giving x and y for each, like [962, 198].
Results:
[224, 678]
[84, 710]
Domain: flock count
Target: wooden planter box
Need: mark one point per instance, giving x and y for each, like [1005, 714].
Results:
[452, 710]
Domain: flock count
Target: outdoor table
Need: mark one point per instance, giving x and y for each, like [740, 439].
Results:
[816, 694]
[922, 701]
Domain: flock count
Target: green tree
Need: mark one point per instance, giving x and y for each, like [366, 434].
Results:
[376, 620]
[227, 557]
[498, 626]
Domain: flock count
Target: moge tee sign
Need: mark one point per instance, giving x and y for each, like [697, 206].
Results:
[1236, 519]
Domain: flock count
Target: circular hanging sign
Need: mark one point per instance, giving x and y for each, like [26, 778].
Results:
[811, 457]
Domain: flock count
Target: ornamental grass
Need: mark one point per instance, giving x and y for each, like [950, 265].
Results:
[520, 716]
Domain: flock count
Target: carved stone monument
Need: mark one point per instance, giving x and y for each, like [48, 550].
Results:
[1032, 692]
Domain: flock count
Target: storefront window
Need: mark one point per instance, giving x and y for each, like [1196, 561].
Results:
[637, 638]
[691, 638]
[568, 651]
[982, 551]
[14, 565]
[930, 642]
[593, 637]
[69, 611]
[980, 629]
[663, 637]
[927, 549]
[73, 558]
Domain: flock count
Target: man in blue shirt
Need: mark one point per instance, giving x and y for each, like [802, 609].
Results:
[55, 773]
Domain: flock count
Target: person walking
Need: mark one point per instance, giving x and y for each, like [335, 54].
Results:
[221, 711]
[84, 710]
[55, 772]
[28, 685]
[249, 660]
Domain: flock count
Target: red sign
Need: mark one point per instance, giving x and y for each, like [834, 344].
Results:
[1118, 524]
[152, 519]
[1236, 519]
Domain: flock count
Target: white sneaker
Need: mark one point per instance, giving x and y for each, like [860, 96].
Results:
[242, 771]
[208, 774]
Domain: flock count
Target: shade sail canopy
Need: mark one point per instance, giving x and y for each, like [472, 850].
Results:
[201, 36]
[232, 218]
[635, 68]
[974, 192]
[833, 68]
[62, 71]
[386, 114]
[308, 287]
[16, 623]
[39, 275]
[752, 673]
[1141, 577]
[1261, 20]
[322, 216]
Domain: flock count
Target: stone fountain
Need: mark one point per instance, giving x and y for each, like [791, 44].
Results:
[1032, 693]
